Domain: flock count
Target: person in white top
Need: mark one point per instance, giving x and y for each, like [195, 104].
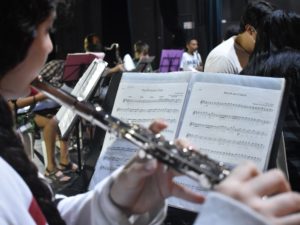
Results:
[134, 194]
[232, 55]
[191, 59]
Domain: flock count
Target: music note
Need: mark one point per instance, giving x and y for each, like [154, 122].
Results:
[231, 129]
[237, 105]
[224, 141]
[229, 117]
[147, 101]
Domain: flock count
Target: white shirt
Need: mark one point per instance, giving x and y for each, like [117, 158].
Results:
[17, 207]
[222, 210]
[190, 62]
[223, 58]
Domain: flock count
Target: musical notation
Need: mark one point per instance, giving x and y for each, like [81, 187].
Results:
[113, 158]
[168, 131]
[122, 149]
[228, 129]
[223, 141]
[231, 117]
[161, 100]
[148, 121]
[140, 110]
[232, 155]
[235, 105]
[105, 168]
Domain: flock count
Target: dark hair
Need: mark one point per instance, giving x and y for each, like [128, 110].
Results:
[286, 64]
[141, 47]
[283, 63]
[231, 31]
[90, 44]
[188, 41]
[281, 31]
[255, 13]
[19, 21]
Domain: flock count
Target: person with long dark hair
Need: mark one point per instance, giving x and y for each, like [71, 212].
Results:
[134, 194]
[277, 54]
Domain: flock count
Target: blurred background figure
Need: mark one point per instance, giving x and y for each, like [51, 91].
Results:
[92, 43]
[191, 59]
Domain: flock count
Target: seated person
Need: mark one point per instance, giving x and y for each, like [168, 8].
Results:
[232, 55]
[43, 120]
[191, 59]
[92, 43]
[141, 50]
[53, 72]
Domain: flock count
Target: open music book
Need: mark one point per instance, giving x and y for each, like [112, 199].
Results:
[83, 90]
[231, 118]
[76, 62]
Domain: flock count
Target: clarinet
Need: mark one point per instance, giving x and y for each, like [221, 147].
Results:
[117, 52]
[185, 160]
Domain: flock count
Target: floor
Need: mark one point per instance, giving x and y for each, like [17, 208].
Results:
[80, 181]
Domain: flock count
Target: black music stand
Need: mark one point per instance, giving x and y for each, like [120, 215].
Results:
[143, 64]
[83, 89]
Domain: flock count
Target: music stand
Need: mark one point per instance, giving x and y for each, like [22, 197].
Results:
[83, 90]
[144, 63]
[76, 63]
[170, 60]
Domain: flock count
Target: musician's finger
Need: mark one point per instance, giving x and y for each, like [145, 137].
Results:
[183, 143]
[136, 171]
[283, 204]
[269, 183]
[166, 169]
[244, 172]
[293, 219]
[157, 126]
[186, 194]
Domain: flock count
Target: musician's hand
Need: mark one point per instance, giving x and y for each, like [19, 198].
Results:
[200, 68]
[118, 68]
[269, 194]
[143, 185]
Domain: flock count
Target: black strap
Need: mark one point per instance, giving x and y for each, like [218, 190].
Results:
[14, 102]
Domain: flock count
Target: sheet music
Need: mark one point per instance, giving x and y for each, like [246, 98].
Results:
[231, 118]
[82, 90]
[230, 123]
[140, 100]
